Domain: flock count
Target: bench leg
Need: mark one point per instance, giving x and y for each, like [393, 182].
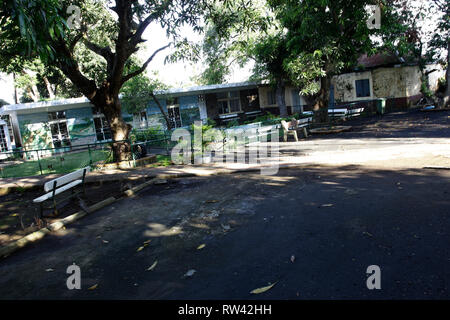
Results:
[295, 136]
[41, 211]
[55, 211]
[285, 137]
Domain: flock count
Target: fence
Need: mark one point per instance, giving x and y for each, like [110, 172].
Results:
[24, 163]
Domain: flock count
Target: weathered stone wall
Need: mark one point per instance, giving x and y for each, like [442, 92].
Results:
[345, 86]
[392, 83]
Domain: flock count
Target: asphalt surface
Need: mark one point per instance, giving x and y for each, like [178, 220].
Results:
[313, 231]
[336, 222]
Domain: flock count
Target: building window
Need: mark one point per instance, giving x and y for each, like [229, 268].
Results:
[228, 102]
[362, 88]
[173, 112]
[174, 115]
[102, 128]
[3, 141]
[271, 99]
[58, 128]
[8, 121]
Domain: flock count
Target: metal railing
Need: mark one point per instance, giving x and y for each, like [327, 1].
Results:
[24, 163]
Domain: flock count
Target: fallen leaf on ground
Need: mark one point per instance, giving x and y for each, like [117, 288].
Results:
[368, 234]
[147, 242]
[93, 287]
[50, 270]
[211, 201]
[226, 227]
[201, 246]
[153, 266]
[140, 249]
[190, 273]
[263, 289]
[328, 205]
[292, 258]
[105, 241]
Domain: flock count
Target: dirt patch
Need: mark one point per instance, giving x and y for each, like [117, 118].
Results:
[19, 216]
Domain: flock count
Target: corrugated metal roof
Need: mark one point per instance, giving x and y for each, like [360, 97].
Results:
[205, 89]
[79, 102]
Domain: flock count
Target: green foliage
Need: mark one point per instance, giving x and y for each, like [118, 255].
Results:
[233, 123]
[150, 134]
[136, 93]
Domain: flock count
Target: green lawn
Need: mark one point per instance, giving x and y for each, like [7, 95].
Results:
[71, 162]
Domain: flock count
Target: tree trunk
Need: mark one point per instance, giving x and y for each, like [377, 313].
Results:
[51, 93]
[321, 105]
[120, 130]
[281, 98]
[169, 126]
[447, 78]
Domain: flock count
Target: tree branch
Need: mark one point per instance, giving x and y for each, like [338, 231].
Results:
[105, 52]
[144, 66]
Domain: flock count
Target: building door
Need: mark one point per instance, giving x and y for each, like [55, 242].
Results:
[58, 128]
[102, 128]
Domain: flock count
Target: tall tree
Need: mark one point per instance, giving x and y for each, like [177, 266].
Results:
[39, 27]
[410, 35]
[323, 38]
[441, 42]
[138, 91]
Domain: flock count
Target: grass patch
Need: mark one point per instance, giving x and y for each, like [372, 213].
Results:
[161, 161]
[59, 164]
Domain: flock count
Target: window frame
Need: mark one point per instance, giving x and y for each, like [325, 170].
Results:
[102, 117]
[362, 86]
[271, 96]
[3, 139]
[228, 100]
[58, 121]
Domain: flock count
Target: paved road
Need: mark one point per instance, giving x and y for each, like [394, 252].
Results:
[335, 221]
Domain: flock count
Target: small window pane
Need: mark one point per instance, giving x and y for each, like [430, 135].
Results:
[234, 94]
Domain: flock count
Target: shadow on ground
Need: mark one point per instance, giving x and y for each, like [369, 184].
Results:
[335, 221]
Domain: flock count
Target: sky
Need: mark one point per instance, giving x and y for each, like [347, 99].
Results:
[178, 74]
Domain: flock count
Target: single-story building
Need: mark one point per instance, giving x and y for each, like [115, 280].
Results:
[384, 76]
[70, 122]
[64, 123]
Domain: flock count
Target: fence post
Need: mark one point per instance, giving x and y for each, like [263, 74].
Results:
[166, 141]
[132, 152]
[90, 154]
[39, 162]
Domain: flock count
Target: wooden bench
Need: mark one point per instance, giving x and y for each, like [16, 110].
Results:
[60, 185]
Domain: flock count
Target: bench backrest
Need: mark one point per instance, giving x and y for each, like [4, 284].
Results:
[48, 186]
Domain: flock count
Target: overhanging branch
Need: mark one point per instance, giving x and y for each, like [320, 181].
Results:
[144, 66]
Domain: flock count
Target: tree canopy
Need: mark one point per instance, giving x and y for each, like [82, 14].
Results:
[111, 31]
